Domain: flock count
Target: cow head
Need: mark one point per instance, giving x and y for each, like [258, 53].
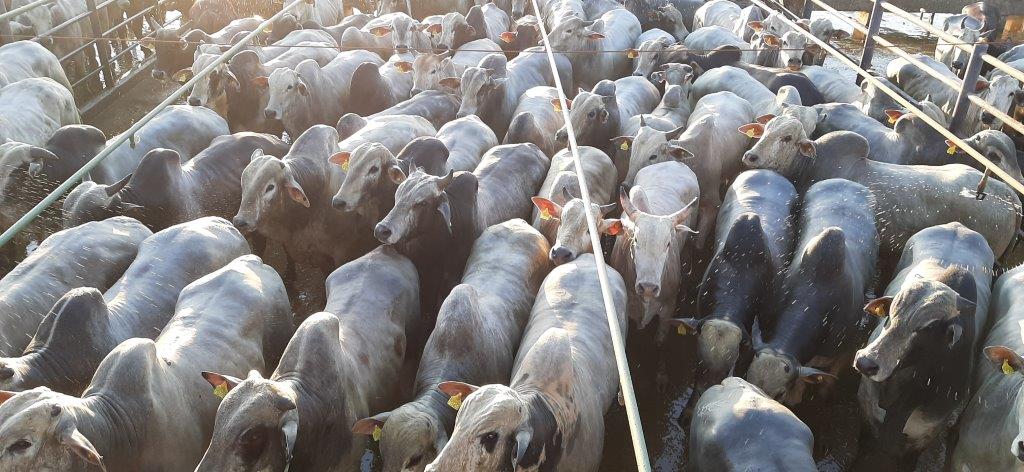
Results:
[268, 185]
[407, 35]
[575, 34]
[419, 199]
[777, 374]
[18, 157]
[797, 51]
[429, 69]
[652, 240]
[478, 86]
[573, 235]
[173, 52]
[997, 147]
[650, 147]
[256, 425]
[647, 57]
[452, 25]
[370, 169]
[675, 74]
[282, 27]
[782, 145]
[1001, 93]
[288, 91]
[926, 318]
[410, 436]
[594, 116]
[212, 92]
[40, 432]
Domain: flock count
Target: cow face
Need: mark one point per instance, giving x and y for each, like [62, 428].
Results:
[211, 92]
[648, 57]
[39, 432]
[500, 429]
[651, 239]
[419, 199]
[449, 24]
[924, 315]
[998, 148]
[410, 437]
[287, 92]
[774, 372]
[593, 116]
[650, 147]
[518, 9]
[429, 69]
[783, 145]
[268, 184]
[18, 157]
[674, 76]
[173, 53]
[797, 51]
[256, 425]
[718, 348]
[574, 34]
[369, 168]
[407, 35]
[478, 85]
[1001, 94]
[573, 235]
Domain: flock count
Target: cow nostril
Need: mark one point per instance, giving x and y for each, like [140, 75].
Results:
[194, 102]
[339, 203]
[561, 255]
[159, 74]
[269, 114]
[866, 366]
[647, 290]
[382, 233]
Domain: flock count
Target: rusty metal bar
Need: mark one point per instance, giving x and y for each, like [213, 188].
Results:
[874, 23]
[967, 88]
[102, 47]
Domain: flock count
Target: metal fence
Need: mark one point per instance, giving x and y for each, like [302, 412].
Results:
[107, 59]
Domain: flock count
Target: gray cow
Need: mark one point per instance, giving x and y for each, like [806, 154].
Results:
[736, 427]
[508, 176]
[436, 106]
[505, 269]
[560, 213]
[35, 108]
[92, 255]
[536, 120]
[657, 215]
[467, 140]
[616, 30]
[908, 198]
[817, 327]
[288, 200]
[27, 59]
[393, 131]
[232, 320]
[84, 325]
[163, 192]
[753, 245]
[551, 416]
[605, 112]
[990, 427]
[341, 365]
[918, 366]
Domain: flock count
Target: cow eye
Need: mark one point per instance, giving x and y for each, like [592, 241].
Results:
[414, 461]
[270, 188]
[489, 440]
[19, 446]
[290, 87]
[374, 169]
[787, 139]
[592, 114]
[654, 157]
[786, 369]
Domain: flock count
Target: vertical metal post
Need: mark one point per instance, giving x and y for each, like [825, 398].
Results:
[102, 46]
[874, 22]
[969, 84]
[808, 9]
[5, 25]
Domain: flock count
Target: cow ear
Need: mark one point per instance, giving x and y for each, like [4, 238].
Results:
[368, 425]
[302, 89]
[756, 26]
[255, 154]
[623, 142]
[594, 35]
[1005, 359]
[72, 439]
[752, 130]
[808, 148]
[611, 227]
[396, 174]
[183, 75]
[451, 82]
[814, 376]
[508, 37]
[435, 29]
[771, 40]
[893, 115]
[686, 326]
[457, 388]
[261, 81]
[5, 395]
[380, 31]
[679, 153]
[222, 384]
[764, 119]
[879, 307]
[548, 209]
[404, 67]
[295, 191]
[342, 158]
[981, 85]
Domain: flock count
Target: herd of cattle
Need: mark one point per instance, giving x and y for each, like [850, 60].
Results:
[417, 163]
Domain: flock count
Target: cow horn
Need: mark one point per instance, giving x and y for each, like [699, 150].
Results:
[118, 186]
[446, 180]
[41, 154]
[568, 193]
[627, 205]
[605, 209]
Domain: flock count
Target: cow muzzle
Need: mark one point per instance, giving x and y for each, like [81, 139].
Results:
[414, 92]
[562, 136]
[647, 290]
[159, 74]
[243, 225]
[751, 159]
[988, 118]
[561, 255]
[866, 366]
[194, 101]
[340, 204]
[270, 114]
[384, 234]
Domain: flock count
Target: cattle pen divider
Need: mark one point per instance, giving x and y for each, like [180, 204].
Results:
[636, 429]
[130, 133]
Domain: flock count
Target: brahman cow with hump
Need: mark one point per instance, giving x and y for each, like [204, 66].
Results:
[551, 416]
[505, 269]
[341, 365]
[233, 320]
[616, 30]
[85, 325]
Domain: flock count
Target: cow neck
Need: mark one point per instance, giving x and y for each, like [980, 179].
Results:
[44, 367]
[322, 441]
[436, 405]
[107, 422]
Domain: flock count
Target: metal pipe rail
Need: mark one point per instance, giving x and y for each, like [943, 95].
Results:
[994, 62]
[949, 82]
[130, 133]
[912, 108]
[636, 429]
[24, 8]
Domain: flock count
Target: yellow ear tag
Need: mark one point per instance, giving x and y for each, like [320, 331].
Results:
[558, 106]
[455, 401]
[892, 120]
[376, 432]
[221, 390]
[880, 311]
[1007, 368]
[344, 165]
[544, 215]
[951, 150]
[681, 330]
[632, 54]
[624, 146]
[751, 133]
